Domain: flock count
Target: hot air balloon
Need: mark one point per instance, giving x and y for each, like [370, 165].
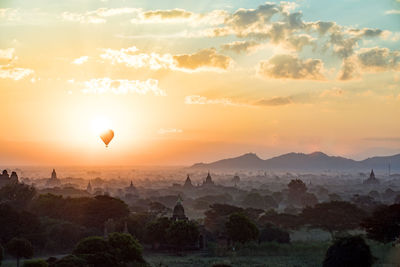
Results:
[107, 136]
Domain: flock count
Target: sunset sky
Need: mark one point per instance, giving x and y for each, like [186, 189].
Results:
[181, 82]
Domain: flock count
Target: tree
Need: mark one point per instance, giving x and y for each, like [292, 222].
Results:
[333, 216]
[181, 234]
[253, 200]
[283, 220]
[70, 261]
[63, 235]
[118, 250]
[217, 216]
[125, 248]
[297, 188]
[15, 223]
[95, 251]
[103, 208]
[18, 195]
[348, 252]
[1, 254]
[158, 209]
[384, 224]
[91, 245]
[136, 222]
[35, 263]
[270, 202]
[20, 248]
[271, 233]
[156, 231]
[308, 200]
[240, 229]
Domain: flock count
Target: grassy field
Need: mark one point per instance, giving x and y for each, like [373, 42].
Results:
[297, 254]
[269, 254]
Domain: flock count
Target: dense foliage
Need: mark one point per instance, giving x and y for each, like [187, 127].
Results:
[20, 248]
[384, 224]
[348, 252]
[240, 229]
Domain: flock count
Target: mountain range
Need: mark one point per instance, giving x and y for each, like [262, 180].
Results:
[316, 161]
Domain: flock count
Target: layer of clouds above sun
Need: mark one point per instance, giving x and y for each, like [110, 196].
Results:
[192, 63]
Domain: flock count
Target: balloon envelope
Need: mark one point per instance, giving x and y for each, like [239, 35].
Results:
[107, 136]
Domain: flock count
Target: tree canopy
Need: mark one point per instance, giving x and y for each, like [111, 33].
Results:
[240, 229]
[20, 248]
[384, 224]
[348, 252]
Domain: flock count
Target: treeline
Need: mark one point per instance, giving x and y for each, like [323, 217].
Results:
[54, 224]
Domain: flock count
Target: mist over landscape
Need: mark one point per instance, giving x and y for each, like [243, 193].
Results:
[218, 133]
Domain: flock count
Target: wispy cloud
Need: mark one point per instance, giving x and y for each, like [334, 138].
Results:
[203, 60]
[163, 131]
[8, 69]
[9, 72]
[202, 100]
[242, 46]
[291, 67]
[97, 16]
[393, 12]
[80, 60]
[107, 85]
[274, 101]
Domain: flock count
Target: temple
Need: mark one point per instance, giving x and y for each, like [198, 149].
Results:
[131, 189]
[188, 183]
[179, 211]
[371, 179]
[208, 180]
[53, 181]
[89, 188]
[5, 179]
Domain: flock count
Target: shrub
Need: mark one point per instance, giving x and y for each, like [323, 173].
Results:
[271, 233]
[35, 263]
[347, 252]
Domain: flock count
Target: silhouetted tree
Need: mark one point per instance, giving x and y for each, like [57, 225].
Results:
[156, 231]
[181, 234]
[1, 254]
[348, 252]
[17, 195]
[270, 202]
[384, 224]
[252, 213]
[125, 248]
[240, 229]
[297, 188]
[271, 233]
[104, 208]
[366, 203]
[62, 235]
[136, 224]
[308, 200]
[253, 200]
[35, 263]
[70, 261]
[20, 248]
[158, 209]
[334, 197]
[278, 197]
[333, 216]
[15, 223]
[217, 216]
[283, 220]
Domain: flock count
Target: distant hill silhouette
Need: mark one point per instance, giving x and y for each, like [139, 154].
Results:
[315, 161]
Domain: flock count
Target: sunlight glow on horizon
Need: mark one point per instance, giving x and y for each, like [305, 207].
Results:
[188, 82]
